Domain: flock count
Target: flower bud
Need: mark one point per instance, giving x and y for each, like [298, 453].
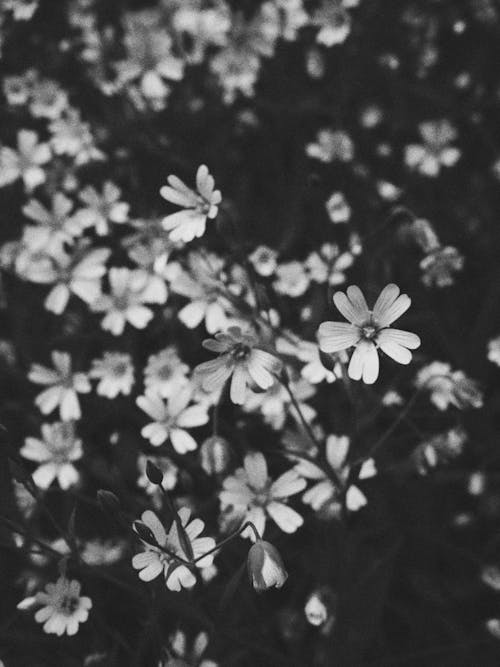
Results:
[265, 566]
[108, 501]
[145, 533]
[215, 455]
[154, 474]
[320, 606]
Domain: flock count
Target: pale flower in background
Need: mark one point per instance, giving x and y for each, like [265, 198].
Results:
[197, 206]
[71, 136]
[26, 162]
[165, 373]
[63, 387]
[102, 208]
[251, 495]
[494, 350]
[330, 146]
[447, 387]
[62, 608]
[368, 330]
[334, 23]
[55, 455]
[115, 372]
[187, 655]
[53, 228]
[291, 279]
[439, 266]
[337, 208]
[275, 405]
[329, 264]
[436, 151]
[263, 260]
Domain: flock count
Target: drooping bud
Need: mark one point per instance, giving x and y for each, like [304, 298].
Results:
[108, 501]
[265, 566]
[154, 474]
[215, 455]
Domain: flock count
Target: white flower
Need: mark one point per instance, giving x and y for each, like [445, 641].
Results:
[62, 608]
[490, 575]
[439, 266]
[291, 279]
[184, 655]
[447, 387]
[55, 454]
[130, 290]
[115, 373]
[165, 374]
[494, 350]
[63, 387]
[250, 495]
[368, 330]
[265, 566]
[329, 264]
[197, 206]
[330, 146]
[436, 152]
[324, 491]
[167, 468]
[71, 136]
[26, 162]
[154, 561]
[102, 208]
[240, 358]
[334, 23]
[54, 227]
[264, 261]
[337, 208]
[275, 405]
[171, 419]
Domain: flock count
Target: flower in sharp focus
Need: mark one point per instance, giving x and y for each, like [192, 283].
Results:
[62, 608]
[155, 561]
[251, 495]
[265, 566]
[115, 373]
[240, 358]
[54, 454]
[63, 387]
[197, 206]
[368, 330]
[171, 419]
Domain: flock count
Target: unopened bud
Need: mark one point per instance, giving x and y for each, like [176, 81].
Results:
[108, 501]
[153, 473]
[145, 533]
[215, 455]
[265, 566]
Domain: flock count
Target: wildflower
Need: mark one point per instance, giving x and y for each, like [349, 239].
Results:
[63, 387]
[184, 655]
[171, 419]
[250, 495]
[71, 136]
[55, 454]
[54, 227]
[240, 358]
[215, 455]
[369, 330]
[165, 465]
[115, 373]
[436, 151]
[264, 261]
[155, 561]
[329, 264]
[325, 492]
[98, 552]
[493, 627]
[291, 279]
[265, 566]
[320, 607]
[102, 208]
[494, 350]
[439, 266]
[205, 26]
[330, 146]
[26, 162]
[490, 575]
[197, 205]
[447, 387]
[334, 23]
[130, 290]
[276, 405]
[62, 608]
[165, 373]
[439, 449]
[337, 208]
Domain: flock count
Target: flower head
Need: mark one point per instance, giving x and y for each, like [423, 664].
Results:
[115, 373]
[197, 206]
[240, 358]
[265, 566]
[369, 330]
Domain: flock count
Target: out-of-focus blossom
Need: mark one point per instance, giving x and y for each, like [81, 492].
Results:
[276, 405]
[315, 62]
[197, 206]
[71, 136]
[337, 208]
[102, 208]
[490, 575]
[494, 350]
[63, 387]
[215, 455]
[98, 552]
[325, 491]
[265, 566]
[329, 264]
[166, 466]
[239, 359]
[319, 608]
[53, 228]
[129, 291]
[428, 158]
[447, 387]
[439, 267]
[291, 279]
[334, 23]
[26, 162]
[171, 419]
[184, 654]
[263, 260]
[330, 146]
[55, 454]
[165, 373]
[44, 97]
[115, 373]
[439, 450]
[22, 10]
[204, 25]
[493, 627]
[61, 607]
[368, 330]
[251, 495]
[293, 17]
[155, 561]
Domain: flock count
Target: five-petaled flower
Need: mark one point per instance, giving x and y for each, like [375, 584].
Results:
[197, 206]
[368, 330]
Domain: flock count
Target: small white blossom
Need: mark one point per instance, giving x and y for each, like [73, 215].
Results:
[26, 162]
[115, 373]
[101, 209]
[330, 146]
[494, 350]
[337, 208]
[165, 374]
[447, 387]
[436, 151]
[185, 654]
[264, 261]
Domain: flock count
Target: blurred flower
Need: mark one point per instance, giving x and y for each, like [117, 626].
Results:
[436, 151]
[167, 467]
[439, 266]
[115, 373]
[101, 208]
[494, 350]
[320, 607]
[330, 146]
[240, 358]
[325, 491]
[182, 655]
[447, 387]
[291, 279]
[369, 330]
[250, 495]
[215, 453]
[275, 405]
[197, 206]
[55, 454]
[493, 627]
[54, 227]
[337, 208]
[490, 575]
[64, 387]
[171, 419]
[26, 162]
[71, 136]
[263, 260]
[98, 552]
[329, 264]
[265, 566]
[62, 609]
[204, 25]
[439, 449]
[334, 23]
[155, 561]
[165, 373]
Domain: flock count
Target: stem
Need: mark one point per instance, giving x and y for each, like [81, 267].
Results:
[247, 524]
[183, 538]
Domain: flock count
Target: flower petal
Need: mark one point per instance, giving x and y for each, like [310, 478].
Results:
[337, 336]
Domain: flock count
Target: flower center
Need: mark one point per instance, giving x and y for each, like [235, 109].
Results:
[68, 604]
[369, 331]
[240, 351]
